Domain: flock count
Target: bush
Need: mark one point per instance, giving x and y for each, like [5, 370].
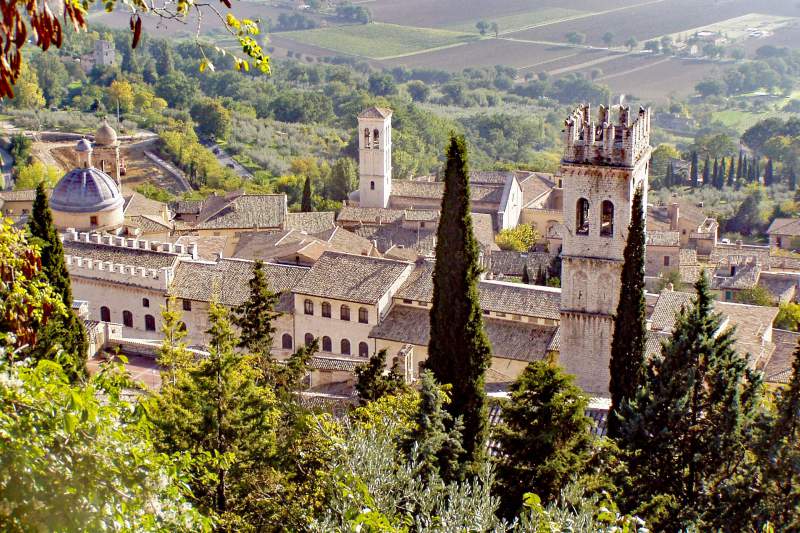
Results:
[520, 239]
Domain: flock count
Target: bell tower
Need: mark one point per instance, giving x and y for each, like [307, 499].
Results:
[603, 164]
[375, 157]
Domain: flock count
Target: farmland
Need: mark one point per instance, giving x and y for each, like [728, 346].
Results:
[522, 20]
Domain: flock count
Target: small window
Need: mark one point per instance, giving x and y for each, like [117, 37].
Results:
[308, 339]
[666, 260]
[93, 220]
[366, 137]
[187, 305]
[105, 314]
[607, 219]
[286, 341]
[486, 312]
[326, 309]
[407, 301]
[127, 319]
[308, 307]
[344, 313]
[372, 185]
[729, 295]
[149, 323]
[363, 349]
[145, 302]
[375, 136]
[327, 346]
[421, 224]
[582, 217]
[363, 315]
[345, 347]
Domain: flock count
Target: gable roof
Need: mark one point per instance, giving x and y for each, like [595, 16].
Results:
[137, 205]
[120, 254]
[244, 211]
[313, 222]
[349, 277]
[785, 226]
[376, 112]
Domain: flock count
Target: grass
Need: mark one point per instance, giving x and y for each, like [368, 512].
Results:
[520, 20]
[378, 40]
[740, 120]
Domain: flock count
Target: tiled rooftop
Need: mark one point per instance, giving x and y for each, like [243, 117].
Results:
[369, 215]
[24, 195]
[314, 222]
[137, 204]
[663, 238]
[148, 223]
[120, 254]
[257, 211]
[353, 278]
[779, 367]
[785, 226]
[209, 247]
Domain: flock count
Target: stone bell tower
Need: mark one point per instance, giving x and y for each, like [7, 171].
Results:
[375, 157]
[604, 162]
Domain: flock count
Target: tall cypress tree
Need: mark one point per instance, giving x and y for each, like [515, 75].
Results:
[715, 174]
[685, 432]
[630, 321]
[739, 164]
[694, 169]
[731, 173]
[768, 173]
[305, 204]
[65, 331]
[459, 351]
[707, 172]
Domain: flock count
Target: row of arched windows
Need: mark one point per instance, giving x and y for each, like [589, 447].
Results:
[374, 142]
[344, 311]
[127, 319]
[606, 218]
[327, 344]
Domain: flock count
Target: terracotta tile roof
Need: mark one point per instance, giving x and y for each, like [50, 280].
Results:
[386, 236]
[510, 340]
[483, 229]
[376, 112]
[311, 222]
[490, 177]
[433, 190]
[256, 211]
[137, 204]
[346, 241]
[535, 185]
[663, 238]
[227, 281]
[779, 366]
[782, 285]
[354, 278]
[421, 215]
[335, 363]
[511, 263]
[785, 226]
[369, 215]
[120, 254]
[747, 271]
[419, 285]
[148, 223]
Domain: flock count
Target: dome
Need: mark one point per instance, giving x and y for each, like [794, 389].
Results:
[86, 190]
[105, 134]
[83, 146]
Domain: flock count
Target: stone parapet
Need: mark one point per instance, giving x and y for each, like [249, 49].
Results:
[623, 142]
[139, 244]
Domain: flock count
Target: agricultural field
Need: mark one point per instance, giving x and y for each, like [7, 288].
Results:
[518, 21]
[378, 40]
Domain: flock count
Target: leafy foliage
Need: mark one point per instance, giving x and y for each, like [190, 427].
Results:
[372, 380]
[520, 239]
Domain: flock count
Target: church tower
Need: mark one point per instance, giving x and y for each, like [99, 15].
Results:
[375, 157]
[603, 164]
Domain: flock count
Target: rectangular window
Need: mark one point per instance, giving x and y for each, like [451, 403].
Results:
[407, 301]
[93, 220]
[187, 305]
[666, 260]
[729, 295]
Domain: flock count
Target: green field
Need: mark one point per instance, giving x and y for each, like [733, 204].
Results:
[378, 40]
[521, 20]
[740, 120]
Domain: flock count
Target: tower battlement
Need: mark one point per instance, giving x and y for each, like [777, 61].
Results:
[622, 142]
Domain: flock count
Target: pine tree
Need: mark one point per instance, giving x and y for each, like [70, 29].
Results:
[64, 331]
[694, 169]
[305, 204]
[685, 432]
[218, 408]
[768, 174]
[544, 436]
[459, 351]
[173, 355]
[255, 318]
[373, 383]
[731, 173]
[707, 172]
[630, 322]
[526, 277]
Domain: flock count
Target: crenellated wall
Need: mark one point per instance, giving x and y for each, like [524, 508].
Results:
[606, 141]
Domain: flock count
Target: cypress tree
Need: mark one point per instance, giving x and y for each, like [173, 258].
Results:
[739, 164]
[66, 331]
[768, 173]
[255, 318]
[630, 322]
[757, 170]
[544, 436]
[685, 432]
[715, 175]
[694, 169]
[305, 204]
[372, 382]
[707, 172]
[459, 351]
[669, 180]
[731, 173]
[526, 277]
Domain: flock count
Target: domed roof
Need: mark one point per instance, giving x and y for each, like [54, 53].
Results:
[105, 134]
[86, 190]
[83, 146]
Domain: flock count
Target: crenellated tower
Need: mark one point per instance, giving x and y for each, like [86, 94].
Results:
[605, 159]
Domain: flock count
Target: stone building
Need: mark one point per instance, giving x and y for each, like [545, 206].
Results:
[784, 233]
[604, 162]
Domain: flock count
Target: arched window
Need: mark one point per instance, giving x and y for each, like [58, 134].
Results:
[327, 345]
[344, 313]
[309, 338]
[145, 302]
[582, 217]
[105, 314]
[308, 307]
[366, 137]
[363, 315]
[149, 323]
[326, 309]
[363, 349]
[607, 219]
[375, 142]
[345, 347]
[372, 185]
[127, 319]
[286, 341]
